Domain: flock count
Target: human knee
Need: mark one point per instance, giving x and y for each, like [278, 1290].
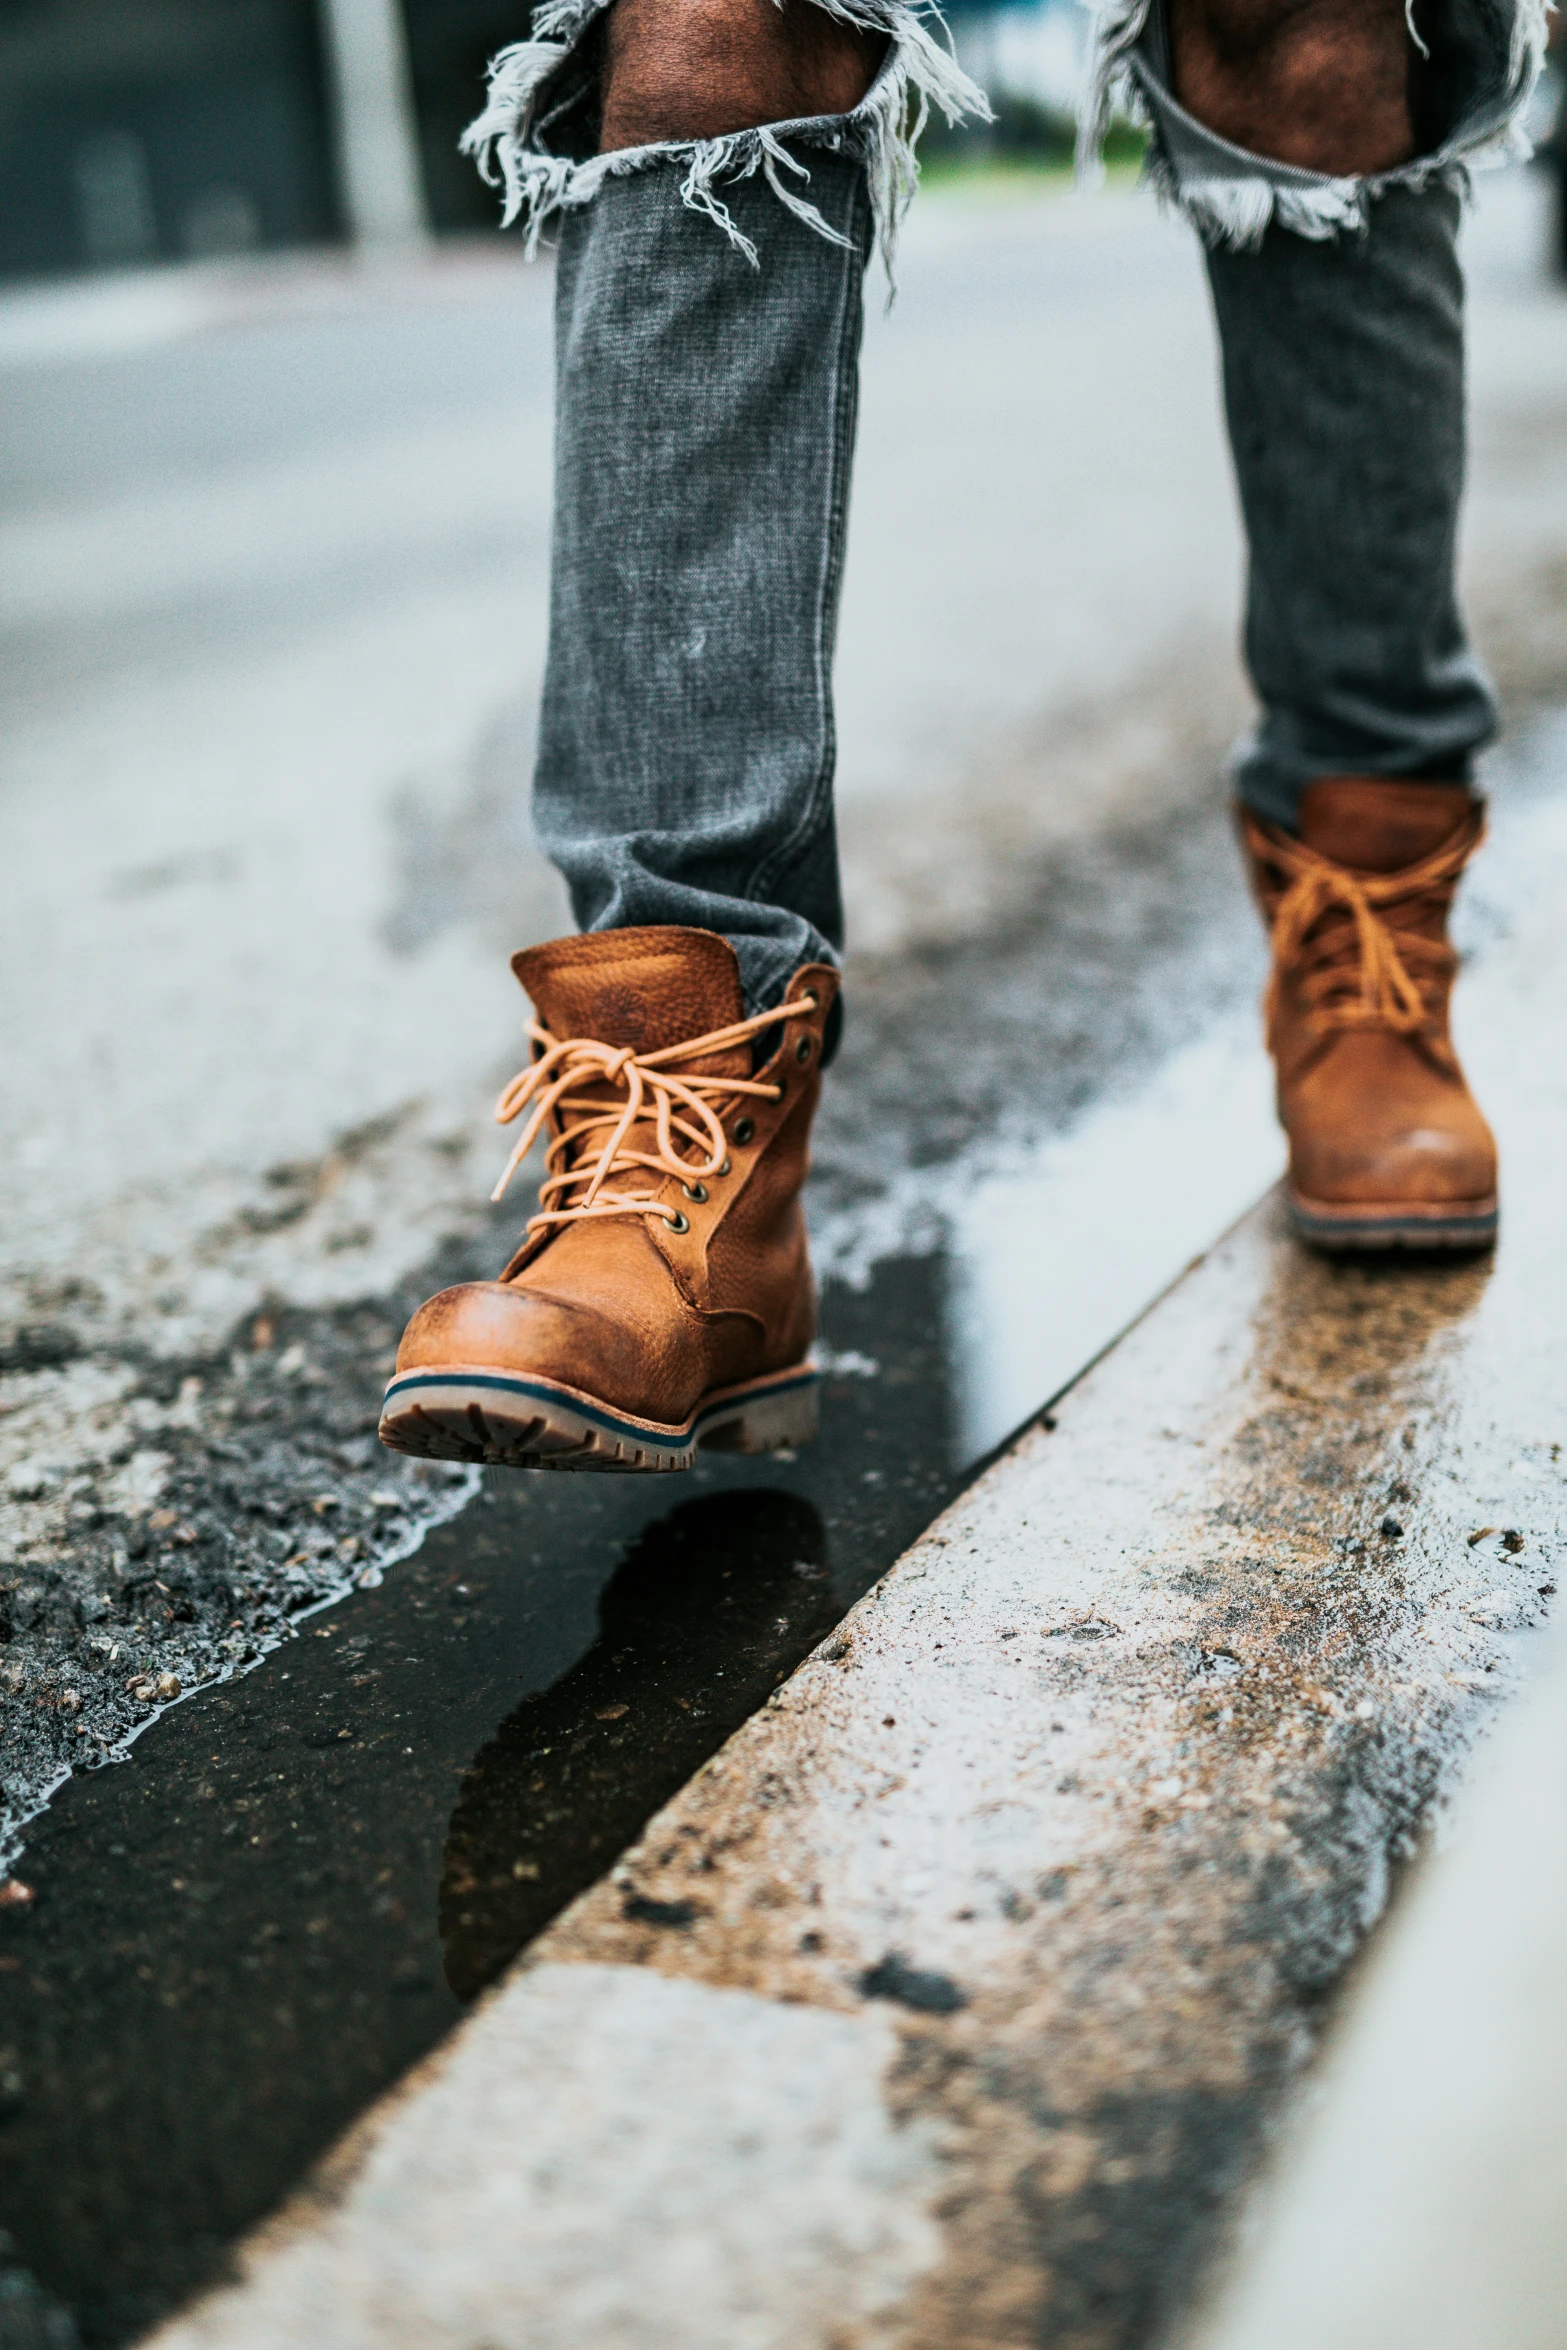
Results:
[1321, 84]
[696, 69]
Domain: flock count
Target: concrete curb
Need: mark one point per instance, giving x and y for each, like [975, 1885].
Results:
[950, 2003]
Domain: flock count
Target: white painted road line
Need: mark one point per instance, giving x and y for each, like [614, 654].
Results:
[1434, 2173]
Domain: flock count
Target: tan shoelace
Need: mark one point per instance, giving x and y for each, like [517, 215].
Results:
[654, 1094]
[1365, 972]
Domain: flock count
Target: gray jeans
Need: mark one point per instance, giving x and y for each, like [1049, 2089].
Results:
[708, 330]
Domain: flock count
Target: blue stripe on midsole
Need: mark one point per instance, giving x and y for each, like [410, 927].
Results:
[540, 1393]
[1306, 1218]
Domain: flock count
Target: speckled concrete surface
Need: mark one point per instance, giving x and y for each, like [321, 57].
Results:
[1071, 1833]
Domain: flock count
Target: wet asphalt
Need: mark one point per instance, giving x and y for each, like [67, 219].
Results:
[294, 1881]
[303, 1876]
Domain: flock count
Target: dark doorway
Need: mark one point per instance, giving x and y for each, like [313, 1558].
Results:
[450, 42]
[145, 130]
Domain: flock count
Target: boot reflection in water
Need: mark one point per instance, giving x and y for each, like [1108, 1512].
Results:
[711, 1607]
[717, 176]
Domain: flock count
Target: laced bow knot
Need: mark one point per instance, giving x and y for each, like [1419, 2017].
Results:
[1383, 981]
[596, 1141]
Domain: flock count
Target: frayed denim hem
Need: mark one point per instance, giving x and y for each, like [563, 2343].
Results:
[1233, 197]
[917, 74]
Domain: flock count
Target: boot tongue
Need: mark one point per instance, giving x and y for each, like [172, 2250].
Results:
[1377, 827]
[645, 988]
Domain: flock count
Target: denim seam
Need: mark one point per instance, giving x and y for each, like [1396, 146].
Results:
[818, 808]
[1241, 195]
[883, 131]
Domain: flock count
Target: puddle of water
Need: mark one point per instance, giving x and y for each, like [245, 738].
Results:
[1049, 1262]
[244, 1933]
[290, 1892]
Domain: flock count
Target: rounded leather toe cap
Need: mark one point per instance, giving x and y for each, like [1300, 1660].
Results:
[494, 1326]
[1423, 1167]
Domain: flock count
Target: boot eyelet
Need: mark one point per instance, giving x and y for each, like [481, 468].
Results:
[678, 1222]
[802, 1051]
[725, 1169]
[696, 1191]
[744, 1128]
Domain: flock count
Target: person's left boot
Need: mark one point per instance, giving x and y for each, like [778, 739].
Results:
[662, 1297]
[1388, 1146]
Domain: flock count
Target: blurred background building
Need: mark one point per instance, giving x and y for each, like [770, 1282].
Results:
[136, 131]
[144, 130]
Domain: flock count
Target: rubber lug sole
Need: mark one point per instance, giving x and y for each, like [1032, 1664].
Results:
[1339, 1229]
[512, 1421]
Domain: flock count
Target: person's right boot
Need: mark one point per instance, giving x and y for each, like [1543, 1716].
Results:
[662, 1297]
[1388, 1147]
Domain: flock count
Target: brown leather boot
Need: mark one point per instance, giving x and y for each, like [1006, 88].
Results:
[662, 1297]
[1387, 1144]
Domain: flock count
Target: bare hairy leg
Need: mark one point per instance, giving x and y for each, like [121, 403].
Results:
[1322, 84]
[696, 69]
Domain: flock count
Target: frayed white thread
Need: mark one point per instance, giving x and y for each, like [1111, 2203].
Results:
[1413, 29]
[774, 154]
[738, 157]
[918, 74]
[1529, 38]
[533, 182]
[1239, 212]
[1111, 88]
